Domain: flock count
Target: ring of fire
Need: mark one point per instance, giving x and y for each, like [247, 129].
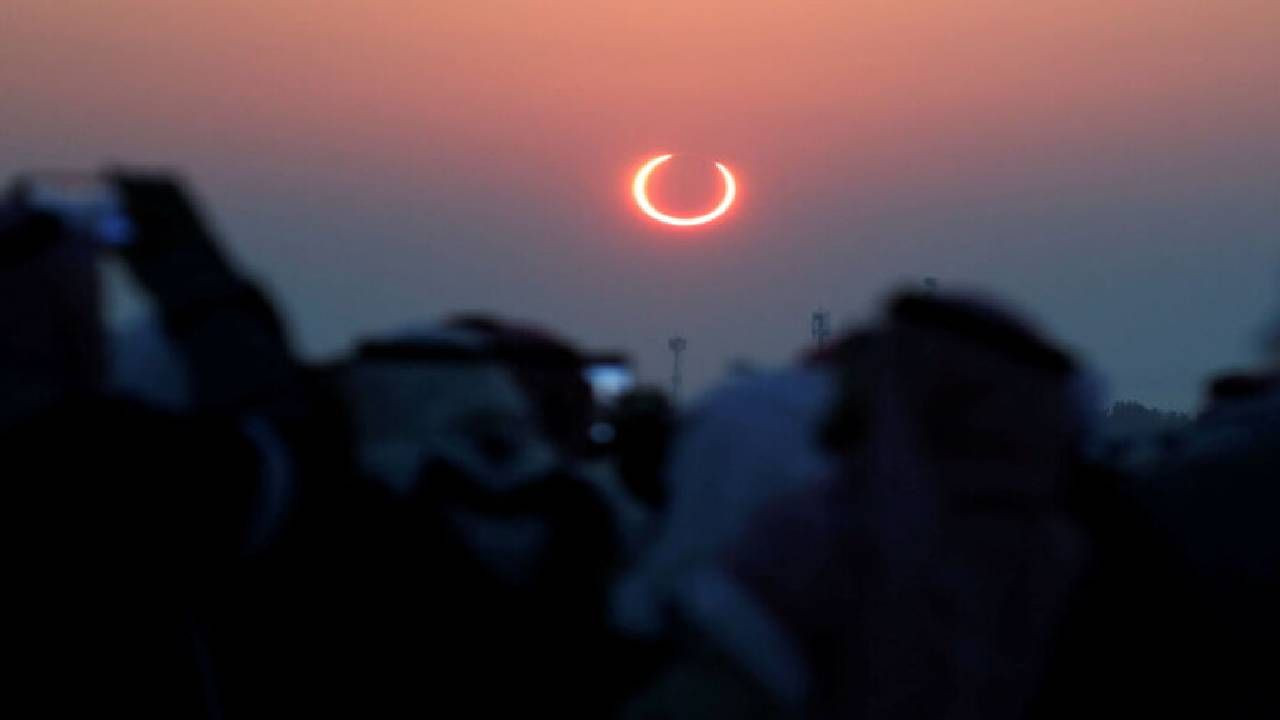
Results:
[642, 197]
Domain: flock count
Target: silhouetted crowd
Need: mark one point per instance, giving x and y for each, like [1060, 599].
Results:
[921, 519]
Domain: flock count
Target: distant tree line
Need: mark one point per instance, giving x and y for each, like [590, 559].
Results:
[1128, 417]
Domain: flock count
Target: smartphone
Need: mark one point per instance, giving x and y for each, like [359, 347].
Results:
[610, 377]
[86, 204]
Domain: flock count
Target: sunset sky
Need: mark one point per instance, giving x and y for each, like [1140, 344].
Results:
[1110, 167]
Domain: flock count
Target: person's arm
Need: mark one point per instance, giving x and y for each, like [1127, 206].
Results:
[238, 363]
[234, 347]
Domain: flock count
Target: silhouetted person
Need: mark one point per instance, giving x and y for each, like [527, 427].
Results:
[927, 577]
[129, 524]
[644, 423]
[483, 559]
[1176, 614]
[736, 450]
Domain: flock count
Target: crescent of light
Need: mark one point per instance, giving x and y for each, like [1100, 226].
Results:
[642, 197]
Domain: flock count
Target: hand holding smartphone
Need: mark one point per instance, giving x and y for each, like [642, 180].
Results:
[85, 205]
[148, 218]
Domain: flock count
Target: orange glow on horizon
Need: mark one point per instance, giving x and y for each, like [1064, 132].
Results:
[642, 197]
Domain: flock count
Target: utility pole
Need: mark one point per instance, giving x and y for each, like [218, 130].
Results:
[820, 327]
[677, 345]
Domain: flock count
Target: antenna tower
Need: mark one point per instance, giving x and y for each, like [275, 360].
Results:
[677, 345]
[820, 327]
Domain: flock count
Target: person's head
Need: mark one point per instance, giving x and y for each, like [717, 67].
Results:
[440, 399]
[549, 371]
[442, 421]
[1234, 389]
[965, 370]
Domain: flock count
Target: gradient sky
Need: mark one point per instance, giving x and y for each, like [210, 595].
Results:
[1113, 168]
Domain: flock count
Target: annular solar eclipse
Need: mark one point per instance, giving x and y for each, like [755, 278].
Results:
[640, 192]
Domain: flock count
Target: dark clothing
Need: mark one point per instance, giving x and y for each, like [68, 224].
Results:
[440, 629]
[1177, 614]
[124, 526]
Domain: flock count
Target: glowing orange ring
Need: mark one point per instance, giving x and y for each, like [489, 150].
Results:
[642, 197]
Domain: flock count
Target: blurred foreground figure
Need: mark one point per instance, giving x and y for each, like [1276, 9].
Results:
[480, 579]
[927, 577]
[1177, 616]
[643, 423]
[128, 523]
[737, 450]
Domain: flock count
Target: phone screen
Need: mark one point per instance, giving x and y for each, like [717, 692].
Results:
[609, 381]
